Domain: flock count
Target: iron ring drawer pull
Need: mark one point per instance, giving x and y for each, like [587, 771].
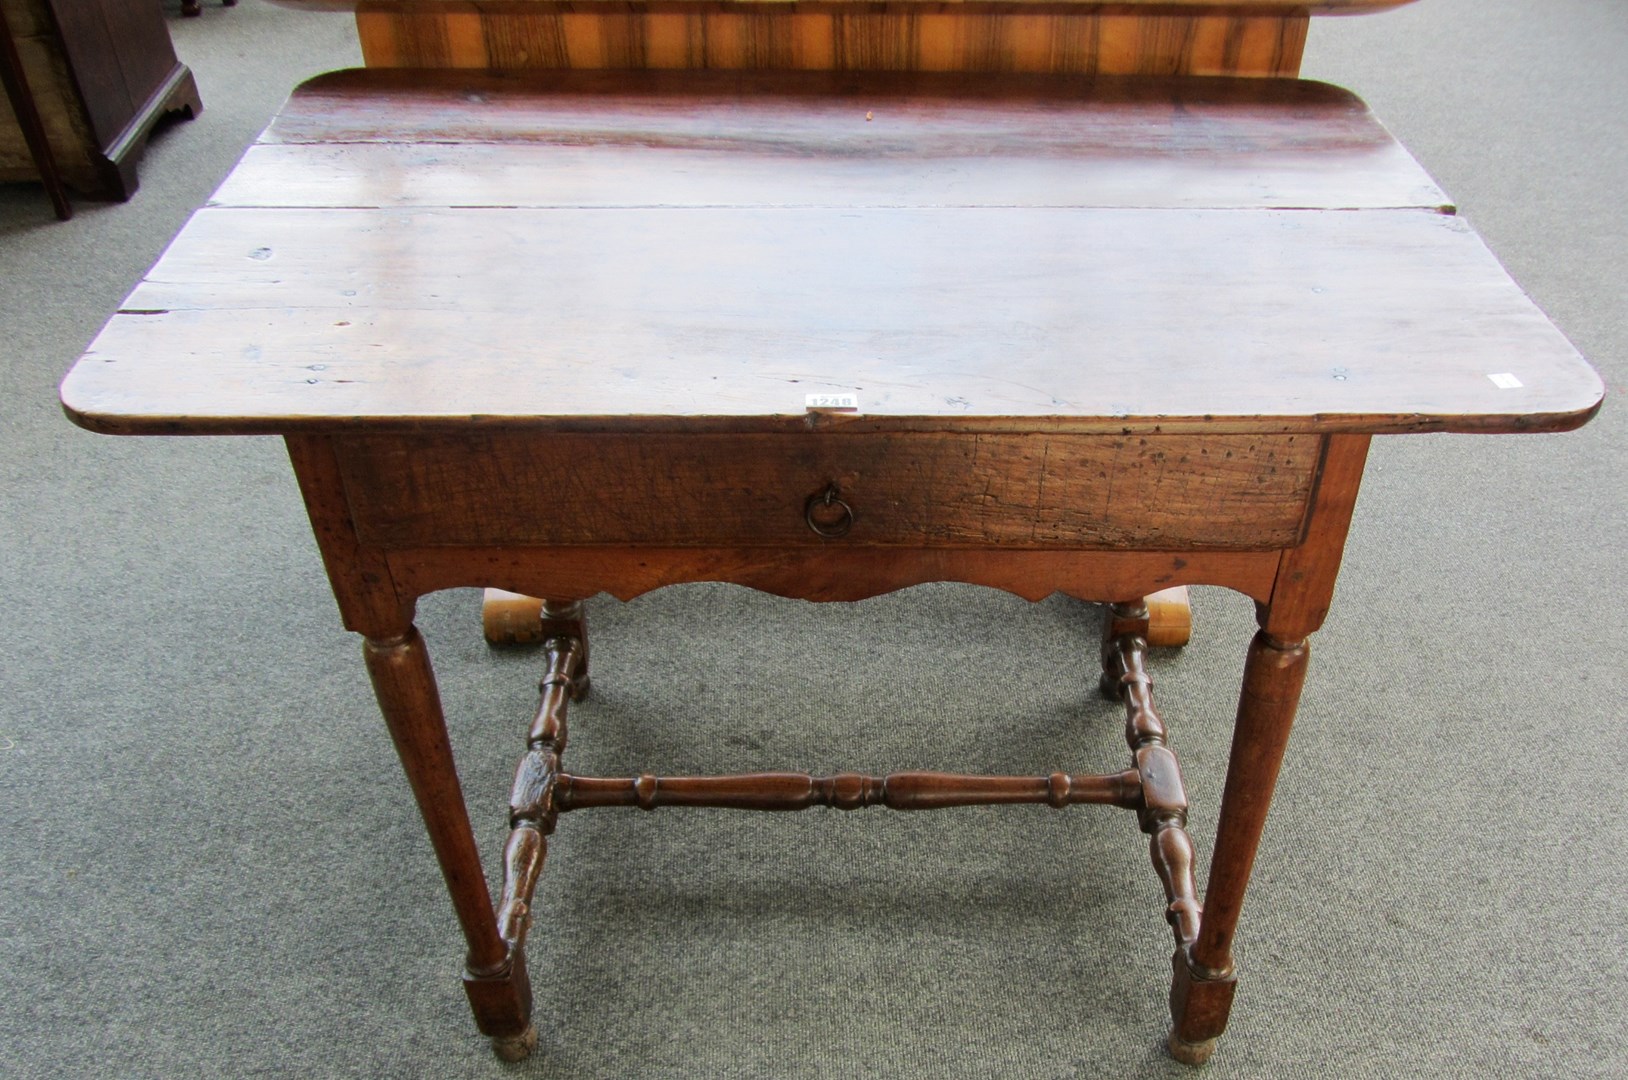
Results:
[827, 514]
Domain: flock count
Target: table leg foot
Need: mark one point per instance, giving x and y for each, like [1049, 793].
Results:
[501, 1001]
[1199, 1008]
[516, 1047]
[1189, 1053]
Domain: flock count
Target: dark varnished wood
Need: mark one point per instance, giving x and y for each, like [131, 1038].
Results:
[1200, 1005]
[25, 112]
[533, 802]
[848, 791]
[95, 77]
[1163, 805]
[809, 113]
[533, 808]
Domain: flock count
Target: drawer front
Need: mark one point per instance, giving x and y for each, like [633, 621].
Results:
[1171, 492]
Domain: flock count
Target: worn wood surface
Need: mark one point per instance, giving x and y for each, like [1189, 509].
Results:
[1040, 303]
[725, 320]
[988, 491]
[359, 576]
[1304, 589]
[654, 139]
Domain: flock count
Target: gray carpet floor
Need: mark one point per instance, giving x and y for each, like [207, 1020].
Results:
[209, 865]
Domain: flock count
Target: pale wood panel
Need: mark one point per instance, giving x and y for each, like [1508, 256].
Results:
[950, 37]
[374, 138]
[718, 319]
[1021, 491]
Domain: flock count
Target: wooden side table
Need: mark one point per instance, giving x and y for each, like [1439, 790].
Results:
[829, 335]
[1156, 38]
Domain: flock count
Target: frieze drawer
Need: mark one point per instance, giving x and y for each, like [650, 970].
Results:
[1172, 492]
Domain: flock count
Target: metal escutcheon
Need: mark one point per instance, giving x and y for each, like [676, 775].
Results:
[827, 514]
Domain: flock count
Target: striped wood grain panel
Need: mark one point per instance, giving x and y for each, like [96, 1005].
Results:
[981, 40]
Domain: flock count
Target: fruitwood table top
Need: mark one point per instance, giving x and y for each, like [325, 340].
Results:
[700, 251]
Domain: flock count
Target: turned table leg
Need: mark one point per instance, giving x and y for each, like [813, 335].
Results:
[1205, 978]
[495, 977]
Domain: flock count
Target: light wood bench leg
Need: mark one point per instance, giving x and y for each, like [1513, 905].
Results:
[510, 618]
[1170, 618]
[515, 619]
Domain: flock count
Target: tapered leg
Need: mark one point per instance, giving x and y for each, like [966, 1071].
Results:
[1201, 993]
[495, 981]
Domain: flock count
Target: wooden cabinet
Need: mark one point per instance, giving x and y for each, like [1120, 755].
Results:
[100, 73]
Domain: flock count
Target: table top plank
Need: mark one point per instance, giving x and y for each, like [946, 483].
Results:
[812, 110]
[1086, 313]
[711, 139]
